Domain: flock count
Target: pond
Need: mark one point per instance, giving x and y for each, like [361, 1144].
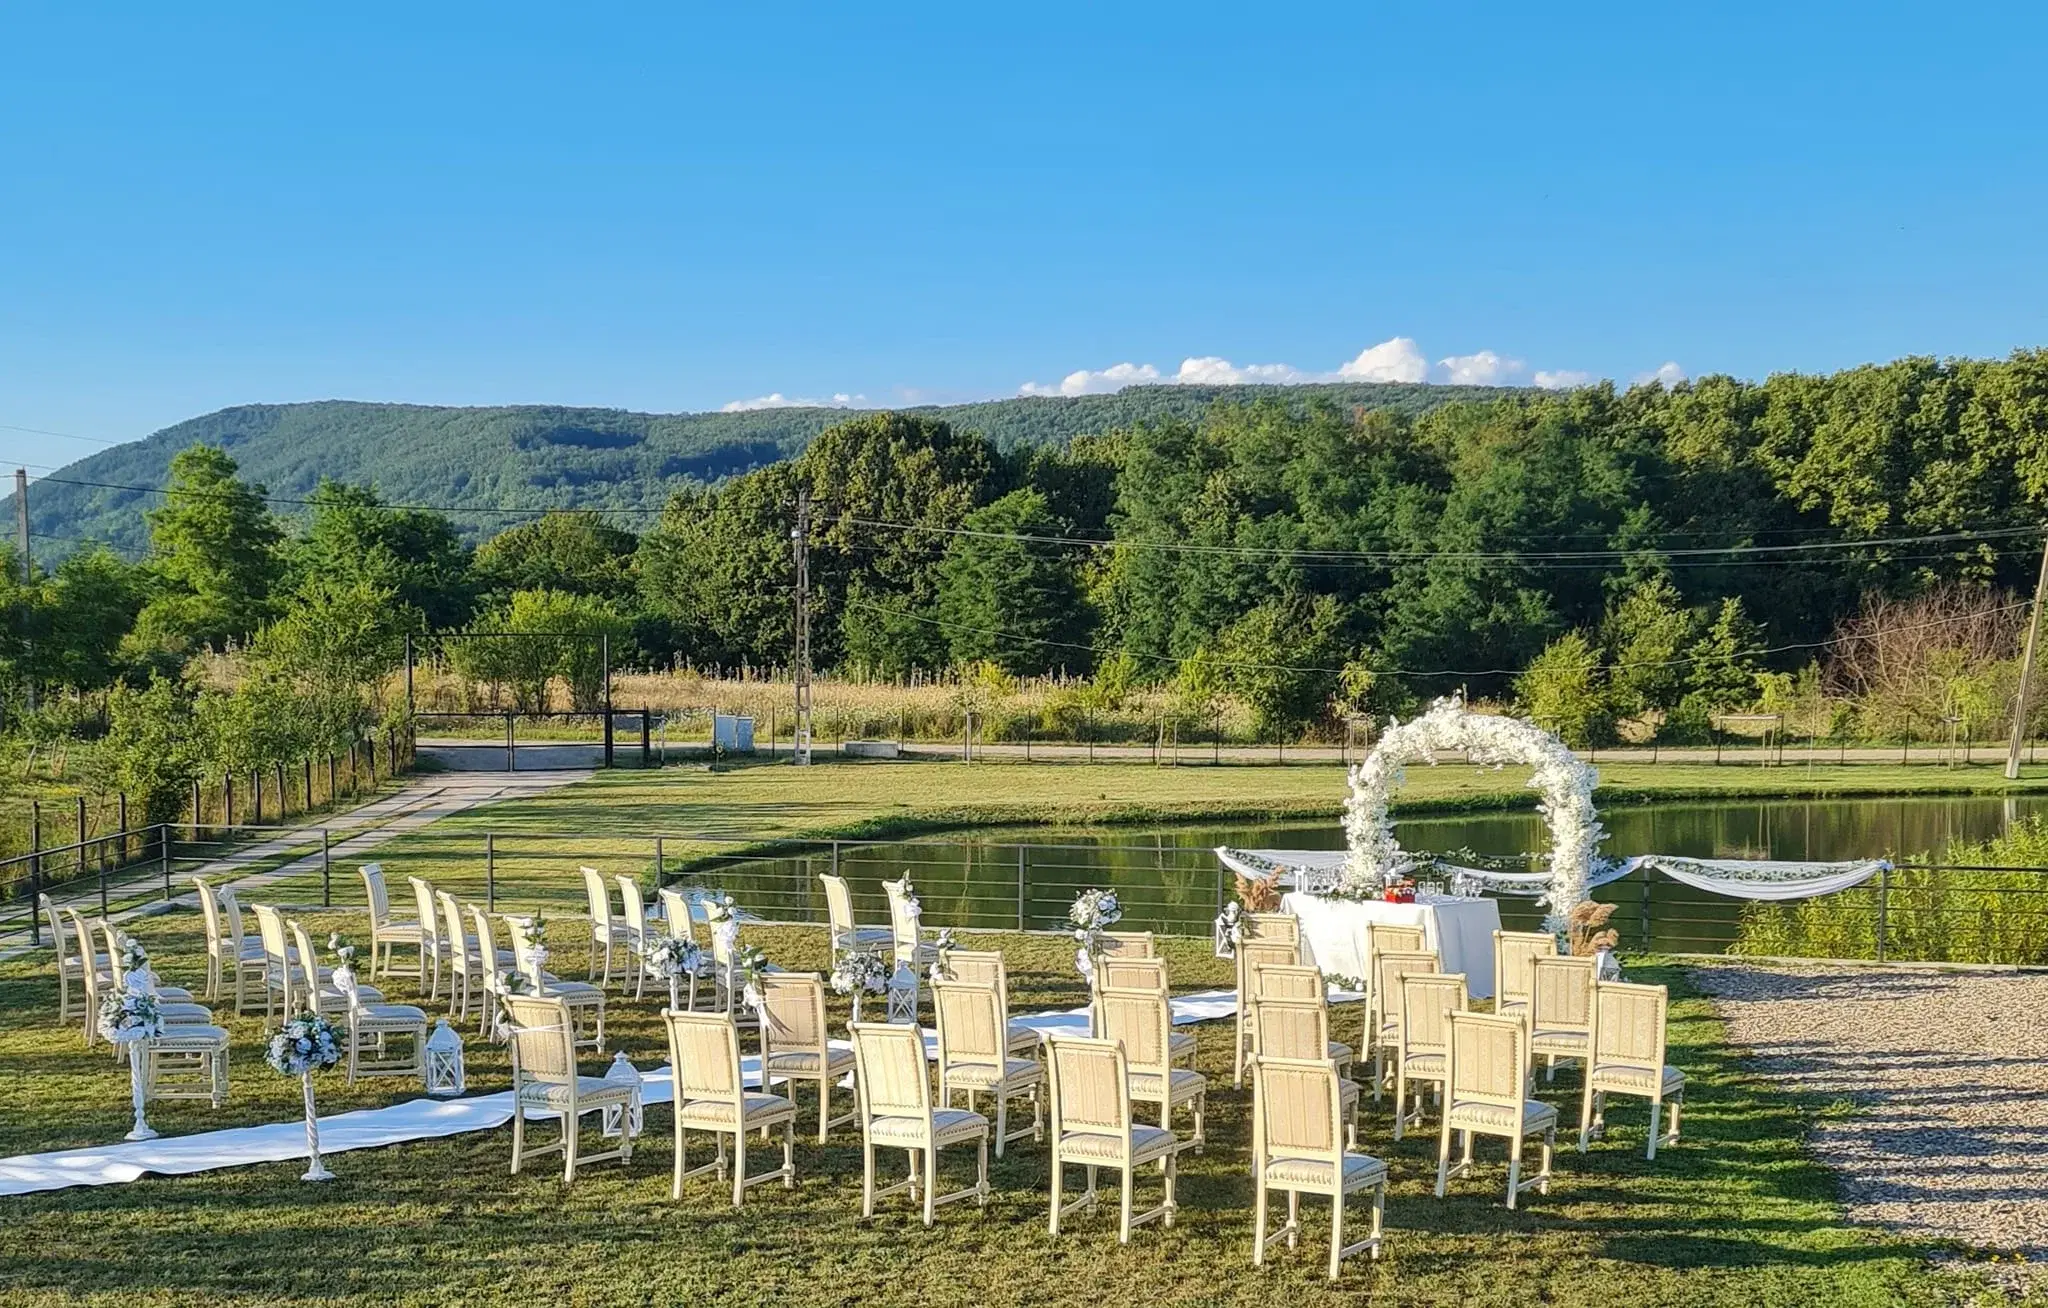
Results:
[1171, 882]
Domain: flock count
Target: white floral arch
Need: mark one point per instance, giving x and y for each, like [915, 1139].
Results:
[1565, 780]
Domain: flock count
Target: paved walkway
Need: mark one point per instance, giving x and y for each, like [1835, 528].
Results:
[423, 800]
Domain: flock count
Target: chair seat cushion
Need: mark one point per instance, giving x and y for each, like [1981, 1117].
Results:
[1557, 1040]
[1359, 1171]
[1147, 1143]
[1631, 1079]
[1338, 1052]
[804, 1062]
[1024, 1037]
[949, 1125]
[397, 1016]
[1017, 1072]
[1179, 1044]
[861, 935]
[1425, 1065]
[575, 992]
[591, 1092]
[404, 933]
[1467, 1114]
[180, 1039]
[1183, 1085]
[330, 997]
[186, 1014]
[174, 994]
[758, 1110]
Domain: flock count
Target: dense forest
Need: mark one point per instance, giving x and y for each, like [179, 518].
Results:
[475, 463]
[1846, 546]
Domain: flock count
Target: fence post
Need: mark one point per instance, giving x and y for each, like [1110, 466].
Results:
[490, 873]
[123, 858]
[646, 736]
[1020, 887]
[35, 868]
[227, 801]
[163, 854]
[1643, 910]
[81, 856]
[835, 858]
[326, 871]
[1884, 895]
[195, 810]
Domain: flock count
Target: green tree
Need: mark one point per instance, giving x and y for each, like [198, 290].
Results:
[1284, 660]
[415, 555]
[1562, 691]
[153, 746]
[1724, 675]
[1009, 599]
[338, 639]
[1648, 634]
[213, 556]
[574, 552]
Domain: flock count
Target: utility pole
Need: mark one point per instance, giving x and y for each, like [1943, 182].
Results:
[2019, 707]
[27, 573]
[800, 538]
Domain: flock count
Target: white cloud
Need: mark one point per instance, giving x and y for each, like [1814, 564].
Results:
[777, 400]
[1563, 379]
[1209, 370]
[1097, 382]
[1396, 360]
[1482, 369]
[1667, 375]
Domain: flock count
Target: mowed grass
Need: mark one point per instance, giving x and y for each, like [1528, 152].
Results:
[1735, 1214]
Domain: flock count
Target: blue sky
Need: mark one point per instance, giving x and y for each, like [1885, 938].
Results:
[664, 208]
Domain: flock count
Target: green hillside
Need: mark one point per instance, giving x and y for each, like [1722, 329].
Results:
[469, 460]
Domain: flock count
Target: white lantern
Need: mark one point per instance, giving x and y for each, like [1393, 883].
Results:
[623, 1073]
[443, 1072]
[903, 994]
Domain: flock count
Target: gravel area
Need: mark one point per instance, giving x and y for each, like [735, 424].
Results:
[1947, 1074]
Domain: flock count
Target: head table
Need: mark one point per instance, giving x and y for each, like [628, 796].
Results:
[1459, 930]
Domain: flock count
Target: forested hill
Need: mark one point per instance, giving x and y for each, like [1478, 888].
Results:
[541, 456]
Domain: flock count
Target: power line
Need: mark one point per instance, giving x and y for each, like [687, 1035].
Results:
[392, 508]
[69, 436]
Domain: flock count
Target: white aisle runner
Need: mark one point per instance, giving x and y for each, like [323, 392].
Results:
[415, 1119]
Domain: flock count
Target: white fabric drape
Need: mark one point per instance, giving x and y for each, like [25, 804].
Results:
[1764, 879]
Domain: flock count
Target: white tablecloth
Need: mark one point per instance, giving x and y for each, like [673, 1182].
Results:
[1460, 930]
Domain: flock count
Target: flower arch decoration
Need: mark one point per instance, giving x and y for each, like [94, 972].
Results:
[1565, 780]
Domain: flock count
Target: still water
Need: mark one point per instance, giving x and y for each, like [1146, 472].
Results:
[1170, 881]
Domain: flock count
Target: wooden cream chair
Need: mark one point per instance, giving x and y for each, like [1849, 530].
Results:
[75, 956]
[633, 906]
[387, 932]
[796, 1044]
[187, 1062]
[1298, 1146]
[1389, 966]
[985, 967]
[110, 940]
[1514, 952]
[974, 1057]
[304, 994]
[906, 930]
[584, 1000]
[1118, 973]
[896, 1112]
[1092, 1128]
[1488, 1094]
[1628, 1059]
[99, 983]
[845, 933]
[470, 969]
[228, 956]
[1298, 1030]
[1299, 982]
[1140, 1020]
[1560, 1012]
[1384, 937]
[433, 947]
[1423, 1043]
[1252, 955]
[383, 1039]
[1129, 944]
[251, 963]
[1274, 928]
[704, 1050]
[607, 932]
[675, 913]
[280, 968]
[546, 1080]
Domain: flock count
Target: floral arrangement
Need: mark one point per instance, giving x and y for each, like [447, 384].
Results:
[675, 956]
[1093, 912]
[1586, 930]
[1259, 894]
[1565, 781]
[943, 948]
[719, 907]
[747, 966]
[513, 982]
[860, 971]
[136, 1014]
[134, 958]
[339, 946]
[308, 1043]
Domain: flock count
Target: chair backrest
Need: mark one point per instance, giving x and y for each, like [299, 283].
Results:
[792, 1012]
[486, 942]
[1288, 981]
[110, 944]
[1562, 994]
[1283, 928]
[903, 923]
[1513, 954]
[520, 930]
[81, 934]
[1129, 944]
[634, 903]
[455, 937]
[600, 898]
[704, 1050]
[1427, 1001]
[890, 1071]
[1114, 973]
[373, 891]
[1628, 1023]
[972, 1026]
[1387, 938]
[1390, 967]
[59, 937]
[838, 907]
[1489, 1060]
[1297, 1111]
[675, 907]
[209, 913]
[305, 991]
[981, 967]
[543, 1043]
[1255, 954]
[430, 917]
[1091, 1087]
[1292, 1028]
[1141, 1021]
[276, 955]
[231, 909]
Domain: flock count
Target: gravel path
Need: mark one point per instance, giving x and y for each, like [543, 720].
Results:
[1948, 1076]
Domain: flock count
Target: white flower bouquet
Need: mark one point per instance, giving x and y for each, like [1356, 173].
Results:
[1093, 912]
[307, 1043]
[747, 966]
[860, 971]
[338, 944]
[134, 958]
[136, 1014]
[674, 956]
[943, 946]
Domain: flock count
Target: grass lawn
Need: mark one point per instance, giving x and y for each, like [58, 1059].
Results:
[1735, 1214]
